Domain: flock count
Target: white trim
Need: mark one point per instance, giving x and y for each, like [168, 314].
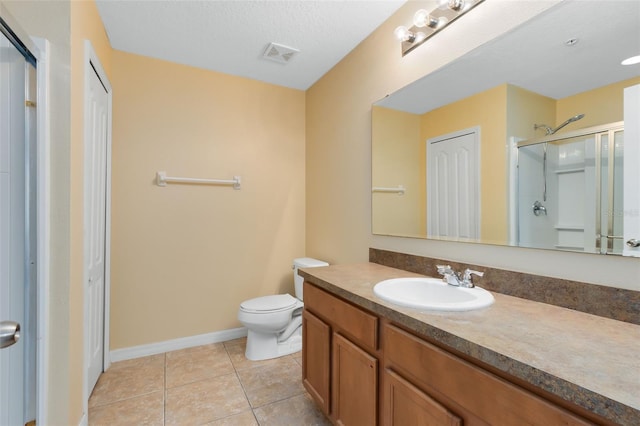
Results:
[512, 167]
[91, 62]
[106, 361]
[43, 245]
[631, 199]
[177, 344]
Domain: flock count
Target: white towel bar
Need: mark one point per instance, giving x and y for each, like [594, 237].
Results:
[162, 179]
[398, 190]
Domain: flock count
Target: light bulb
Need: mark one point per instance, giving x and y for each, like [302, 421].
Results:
[456, 5]
[422, 18]
[403, 34]
[420, 36]
[443, 4]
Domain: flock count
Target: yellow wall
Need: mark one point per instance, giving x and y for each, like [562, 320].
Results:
[185, 256]
[488, 110]
[397, 160]
[338, 160]
[600, 106]
[525, 109]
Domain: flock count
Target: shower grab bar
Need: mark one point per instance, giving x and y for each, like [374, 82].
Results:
[162, 179]
[398, 190]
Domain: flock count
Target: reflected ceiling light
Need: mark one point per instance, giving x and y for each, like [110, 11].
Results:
[631, 61]
[426, 24]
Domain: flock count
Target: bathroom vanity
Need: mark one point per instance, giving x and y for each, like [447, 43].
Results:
[368, 362]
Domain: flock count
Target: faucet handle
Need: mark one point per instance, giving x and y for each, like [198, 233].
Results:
[444, 269]
[468, 272]
[466, 278]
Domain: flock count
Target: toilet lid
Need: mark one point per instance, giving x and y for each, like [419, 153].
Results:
[277, 302]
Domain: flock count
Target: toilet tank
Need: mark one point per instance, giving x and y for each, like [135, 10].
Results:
[303, 262]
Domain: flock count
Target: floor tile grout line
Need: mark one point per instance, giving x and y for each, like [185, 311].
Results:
[116, 401]
[235, 370]
[279, 400]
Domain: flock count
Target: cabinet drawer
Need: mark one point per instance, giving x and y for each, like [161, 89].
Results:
[487, 396]
[360, 326]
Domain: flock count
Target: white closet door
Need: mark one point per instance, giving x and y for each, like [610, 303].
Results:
[453, 182]
[95, 221]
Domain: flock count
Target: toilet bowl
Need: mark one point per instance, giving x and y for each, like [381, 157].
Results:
[274, 323]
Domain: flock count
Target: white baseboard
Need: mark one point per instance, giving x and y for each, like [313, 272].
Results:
[176, 344]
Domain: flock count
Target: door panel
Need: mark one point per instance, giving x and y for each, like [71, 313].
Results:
[13, 263]
[95, 220]
[406, 405]
[452, 186]
[316, 347]
[354, 384]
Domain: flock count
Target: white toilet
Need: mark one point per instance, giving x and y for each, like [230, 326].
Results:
[275, 322]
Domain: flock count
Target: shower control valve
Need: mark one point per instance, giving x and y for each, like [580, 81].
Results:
[539, 209]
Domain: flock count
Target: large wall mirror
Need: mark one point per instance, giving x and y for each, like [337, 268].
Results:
[520, 142]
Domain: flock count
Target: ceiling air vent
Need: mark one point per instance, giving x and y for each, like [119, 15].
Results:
[279, 53]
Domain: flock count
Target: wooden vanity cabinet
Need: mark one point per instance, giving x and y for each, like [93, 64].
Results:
[363, 370]
[339, 366]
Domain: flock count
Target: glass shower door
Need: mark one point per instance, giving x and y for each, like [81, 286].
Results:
[570, 191]
[609, 239]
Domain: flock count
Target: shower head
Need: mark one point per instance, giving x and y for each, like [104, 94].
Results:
[571, 120]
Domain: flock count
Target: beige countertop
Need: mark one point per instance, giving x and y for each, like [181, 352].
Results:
[591, 361]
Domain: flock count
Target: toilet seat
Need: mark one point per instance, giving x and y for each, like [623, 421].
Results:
[270, 304]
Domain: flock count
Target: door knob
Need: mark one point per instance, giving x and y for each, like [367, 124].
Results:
[633, 243]
[9, 333]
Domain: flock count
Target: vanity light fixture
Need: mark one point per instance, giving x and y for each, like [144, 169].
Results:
[426, 24]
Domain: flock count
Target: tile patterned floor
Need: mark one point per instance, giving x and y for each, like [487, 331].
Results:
[207, 385]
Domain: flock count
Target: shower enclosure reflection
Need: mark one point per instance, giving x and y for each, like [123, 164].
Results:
[569, 191]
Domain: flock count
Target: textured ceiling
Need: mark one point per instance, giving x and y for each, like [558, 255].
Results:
[231, 36]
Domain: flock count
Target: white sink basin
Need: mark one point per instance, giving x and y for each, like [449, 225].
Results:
[432, 294]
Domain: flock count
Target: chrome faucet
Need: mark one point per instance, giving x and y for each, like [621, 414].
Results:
[457, 279]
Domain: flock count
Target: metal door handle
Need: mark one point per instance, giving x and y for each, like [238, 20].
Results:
[633, 243]
[9, 333]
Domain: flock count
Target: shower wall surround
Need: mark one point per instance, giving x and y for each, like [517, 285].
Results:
[610, 302]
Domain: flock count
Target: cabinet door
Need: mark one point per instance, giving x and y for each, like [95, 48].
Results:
[406, 405]
[316, 353]
[355, 384]
[466, 387]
